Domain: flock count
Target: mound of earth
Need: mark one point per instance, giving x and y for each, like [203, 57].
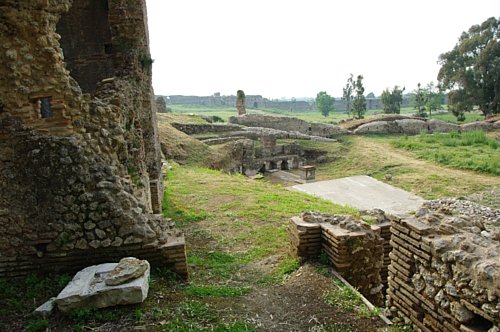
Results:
[352, 124]
[181, 147]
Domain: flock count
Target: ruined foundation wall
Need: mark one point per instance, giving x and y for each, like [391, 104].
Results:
[354, 248]
[445, 268]
[287, 124]
[76, 187]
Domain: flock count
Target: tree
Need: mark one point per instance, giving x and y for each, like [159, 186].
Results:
[325, 103]
[434, 99]
[347, 94]
[370, 95]
[471, 71]
[392, 100]
[419, 101]
[359, 102]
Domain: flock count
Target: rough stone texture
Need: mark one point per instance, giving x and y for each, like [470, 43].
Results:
[479, 125]
[496, 125]
[248, 157]
[354, 248]
[161, 105]
[89, 290]
[445, 272]
[288, 124]
[76, 188]
[45, 309]
[438, 126]
[412, 126]
[128, 268]
[195, 129]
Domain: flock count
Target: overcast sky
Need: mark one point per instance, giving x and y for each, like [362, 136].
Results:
[296, 48]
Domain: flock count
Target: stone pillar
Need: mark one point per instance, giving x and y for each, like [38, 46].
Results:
[308, 173]
[240, 102]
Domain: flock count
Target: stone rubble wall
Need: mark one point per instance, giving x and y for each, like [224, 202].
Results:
[80, 187]
[195, 129]
[412, 126]
[444, 272]
[288, 124]
[445, 268]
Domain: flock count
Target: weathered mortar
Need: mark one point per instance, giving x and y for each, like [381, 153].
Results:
[288, 124]
[354, 248]
[445, 268]
[79, 187]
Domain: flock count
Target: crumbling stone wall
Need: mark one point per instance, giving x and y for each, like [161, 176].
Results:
[444, 272]
[79, 186]
[288, 124]
[445, 268]
[195, 128]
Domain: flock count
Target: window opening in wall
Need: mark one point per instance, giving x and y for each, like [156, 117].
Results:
[44, 107]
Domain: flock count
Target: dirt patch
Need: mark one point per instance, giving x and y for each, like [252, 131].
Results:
[297, 305]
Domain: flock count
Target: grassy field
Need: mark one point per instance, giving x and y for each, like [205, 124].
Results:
[312, 116]
[470, 150]
[237, 245]
[378, 155]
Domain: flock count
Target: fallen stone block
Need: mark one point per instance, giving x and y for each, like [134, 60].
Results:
[45, 309]
[88, 289]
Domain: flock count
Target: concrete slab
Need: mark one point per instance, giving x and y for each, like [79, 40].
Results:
[364, 192]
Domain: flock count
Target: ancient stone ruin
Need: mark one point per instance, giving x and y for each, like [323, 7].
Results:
[80, 170]
[240, 102]
[440, 268]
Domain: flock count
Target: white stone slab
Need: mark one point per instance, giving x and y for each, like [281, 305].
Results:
[364, 192]
[88, 289]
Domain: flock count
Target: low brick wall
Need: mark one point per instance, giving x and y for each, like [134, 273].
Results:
[444, 271]
[354, 248]
[305, 238]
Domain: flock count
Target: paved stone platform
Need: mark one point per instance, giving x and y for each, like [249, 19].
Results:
[364, 192]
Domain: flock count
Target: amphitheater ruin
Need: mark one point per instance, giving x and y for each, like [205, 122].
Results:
[81, 178]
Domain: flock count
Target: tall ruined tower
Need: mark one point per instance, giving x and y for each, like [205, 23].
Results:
[80, 168]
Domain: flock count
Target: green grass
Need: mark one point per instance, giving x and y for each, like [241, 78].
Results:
[343, 298]
[449, 117]
[470, 150]
[239, 211]
[225, 112]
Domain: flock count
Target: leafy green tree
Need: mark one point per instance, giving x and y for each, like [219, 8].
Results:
[471, 71]
[325, 103]
[434, 99]
[392, 100]
[347, 94]
[419, 101]
[370, 95]
[359, 101]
